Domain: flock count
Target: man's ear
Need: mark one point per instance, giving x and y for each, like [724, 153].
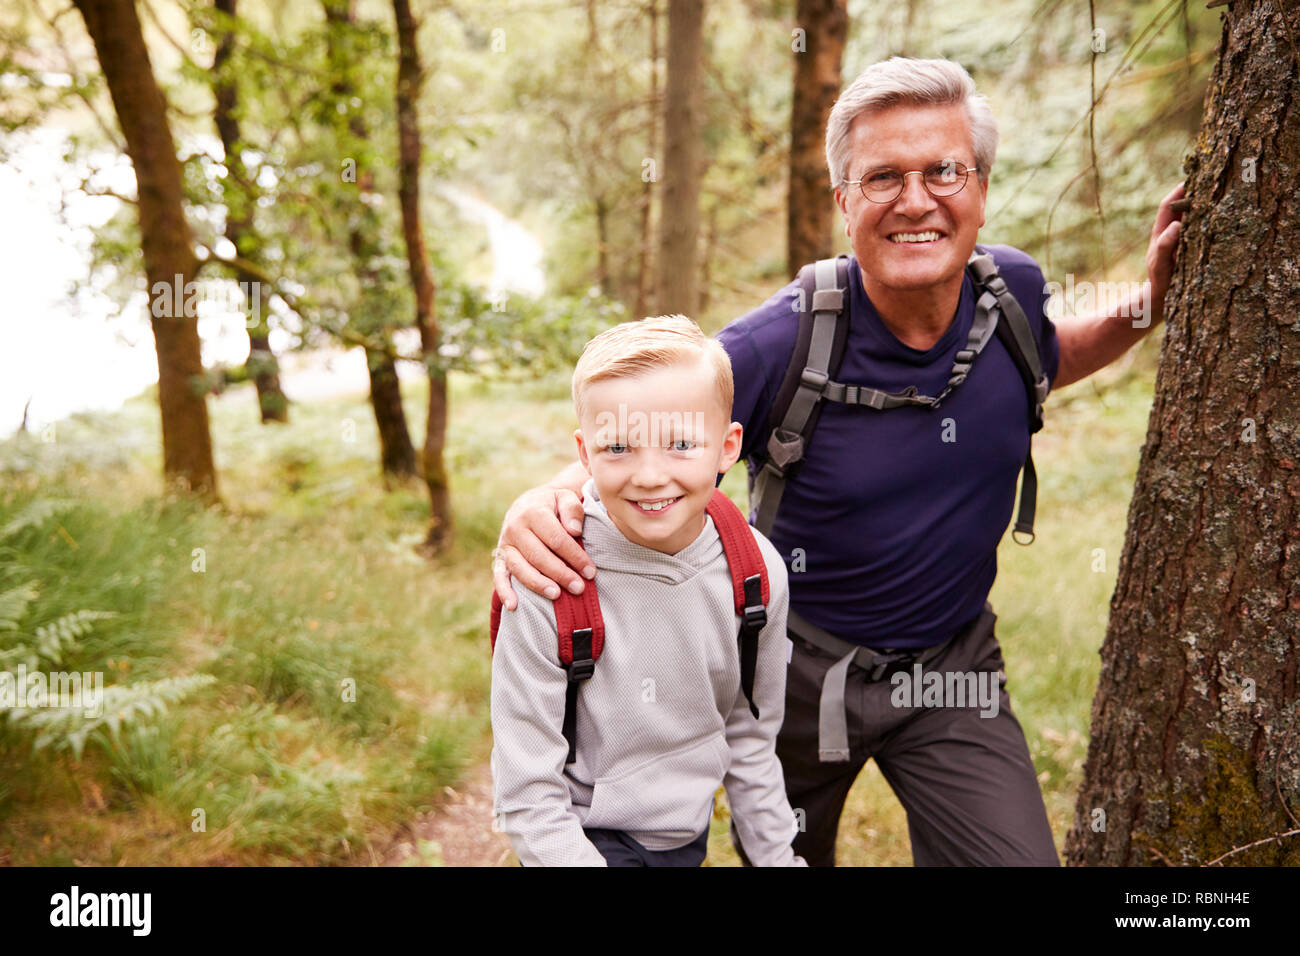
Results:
[582, 449]
[841, 200]
[984, 195]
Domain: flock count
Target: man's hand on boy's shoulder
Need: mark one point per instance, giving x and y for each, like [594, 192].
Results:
[537, 545]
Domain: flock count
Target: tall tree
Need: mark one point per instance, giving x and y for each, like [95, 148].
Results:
[410, 79]
[679, 221]
[822, 28]
[165, 238]
[641, 307]
[1194, 751]
[239, 197]
[397, 454]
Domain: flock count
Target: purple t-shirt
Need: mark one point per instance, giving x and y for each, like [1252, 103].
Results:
[891, 525]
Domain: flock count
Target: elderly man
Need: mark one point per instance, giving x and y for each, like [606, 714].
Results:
[891, 521]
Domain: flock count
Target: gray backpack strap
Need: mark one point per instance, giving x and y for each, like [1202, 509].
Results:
[1019, 340]
[786, 445]
[1018, 325]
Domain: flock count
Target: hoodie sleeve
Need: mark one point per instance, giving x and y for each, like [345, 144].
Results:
[754, 783]
[530, 797]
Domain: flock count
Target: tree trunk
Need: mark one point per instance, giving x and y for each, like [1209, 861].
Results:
[165, 240]
[644, 265]
[261, 364]
[396, 452]
[602, 245]
[1194, 751]
[810, 209]
[410, 78]
[679, 226]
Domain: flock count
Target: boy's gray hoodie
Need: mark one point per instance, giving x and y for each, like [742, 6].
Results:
[661, 724]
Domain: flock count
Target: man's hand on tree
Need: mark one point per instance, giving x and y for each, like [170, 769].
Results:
[1161, 251]
[537, 548]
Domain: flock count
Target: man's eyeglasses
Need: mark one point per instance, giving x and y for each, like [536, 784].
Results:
[885, 184]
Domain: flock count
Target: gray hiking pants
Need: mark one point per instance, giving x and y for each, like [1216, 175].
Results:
[962, 773]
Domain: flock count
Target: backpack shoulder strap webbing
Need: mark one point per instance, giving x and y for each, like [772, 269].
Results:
[1018, 339]
[581, 633]
[749, 584]
[1015, 333]
[822, 305]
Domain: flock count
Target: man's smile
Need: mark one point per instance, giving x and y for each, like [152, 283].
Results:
[930, 235]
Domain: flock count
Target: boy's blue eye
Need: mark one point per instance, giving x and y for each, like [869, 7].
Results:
[616, 449]
[677, 445]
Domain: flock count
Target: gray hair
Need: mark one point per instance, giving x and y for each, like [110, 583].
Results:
[900, 80]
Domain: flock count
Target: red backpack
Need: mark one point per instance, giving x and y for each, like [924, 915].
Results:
[582, 632]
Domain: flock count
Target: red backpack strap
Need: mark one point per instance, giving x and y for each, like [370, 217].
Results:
[581, 633]
[748, 582]
[494, 619]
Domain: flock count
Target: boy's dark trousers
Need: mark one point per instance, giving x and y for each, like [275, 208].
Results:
[619, 849]
[965, 780]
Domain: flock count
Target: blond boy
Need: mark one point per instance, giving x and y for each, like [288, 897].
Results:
[662, 722]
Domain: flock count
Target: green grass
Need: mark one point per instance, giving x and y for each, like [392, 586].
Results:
[310, 587]
[351, 675]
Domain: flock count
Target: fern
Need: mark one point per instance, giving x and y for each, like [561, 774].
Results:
[13, 605]
[36, 513]
[52, 642]
[55, 639]
[67, 728]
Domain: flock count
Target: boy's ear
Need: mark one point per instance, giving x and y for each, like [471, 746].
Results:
[731, 442]
[582, 449]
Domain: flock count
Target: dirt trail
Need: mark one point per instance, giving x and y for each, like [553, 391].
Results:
[461, 828]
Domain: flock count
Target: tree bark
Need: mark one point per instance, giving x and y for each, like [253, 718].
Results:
[1194, 750]
[645, 265]
[165, 239]
[396, 452]
[679, 226]
[261, 364]
[410, 79]
[810, 210]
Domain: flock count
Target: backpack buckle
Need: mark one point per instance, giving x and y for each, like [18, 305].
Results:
[755, 614]
[581, 670]
[827, 300]
[782, 452]
[814, 378]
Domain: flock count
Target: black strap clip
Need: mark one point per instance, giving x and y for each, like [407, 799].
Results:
[581, 668]
[755, 615]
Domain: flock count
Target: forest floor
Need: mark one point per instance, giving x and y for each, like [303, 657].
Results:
[457, 833]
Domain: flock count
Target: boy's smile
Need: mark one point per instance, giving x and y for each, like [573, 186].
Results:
[655, 443]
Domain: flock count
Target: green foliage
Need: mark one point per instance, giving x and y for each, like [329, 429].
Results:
[71, 727]
[532, 336]
[45, 647]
